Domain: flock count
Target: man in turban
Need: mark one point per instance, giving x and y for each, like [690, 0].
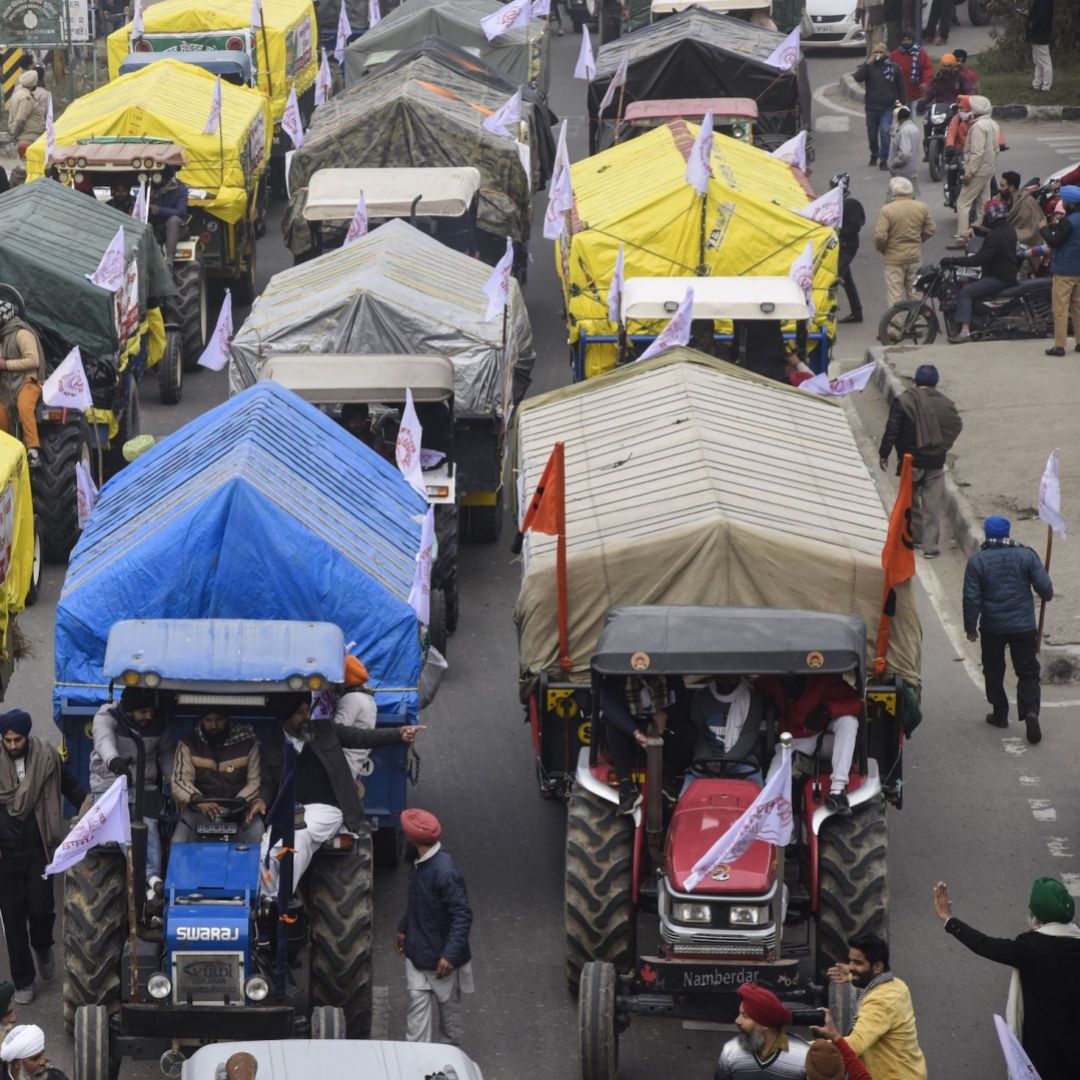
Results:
[355, 708]
[433, 935]
[32, 781]
[22, 1055]
[1044, 995]
[762, 1048]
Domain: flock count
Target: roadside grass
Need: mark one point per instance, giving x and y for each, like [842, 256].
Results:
[1014, 87]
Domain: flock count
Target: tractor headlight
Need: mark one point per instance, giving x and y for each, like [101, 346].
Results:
[256, 988]
[130, 678]
[159, 986]
[152, 679]
[691, 913]
[316, 682]
[748, 916]
[296, 682]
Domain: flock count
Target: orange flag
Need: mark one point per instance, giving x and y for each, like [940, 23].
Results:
[897, 560]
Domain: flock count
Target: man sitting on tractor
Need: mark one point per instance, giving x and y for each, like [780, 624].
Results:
[22, 371]
[727, 714]
[121, 198]
[217, 760]
[816, 711]
[168, 212]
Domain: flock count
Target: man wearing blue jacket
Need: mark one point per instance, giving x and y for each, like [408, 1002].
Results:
[998, 604]
[433, 935]
[1064, 238]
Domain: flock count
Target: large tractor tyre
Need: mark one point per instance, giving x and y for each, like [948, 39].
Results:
[91, 1035]
[388, 847]
[437, 629]
[191, 308]
[978, 13]
[129, 425]
[598, 1036]
[55, 486]
[599, 911]
[36, 566]
[327, 1023]
[339, 912]
[170, 370]
[853, 885]
[95, 927]
[445, 572]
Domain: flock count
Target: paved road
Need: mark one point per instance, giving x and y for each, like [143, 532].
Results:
[986, 813]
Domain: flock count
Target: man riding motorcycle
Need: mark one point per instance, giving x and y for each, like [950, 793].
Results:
[947, 84]
[996, 257]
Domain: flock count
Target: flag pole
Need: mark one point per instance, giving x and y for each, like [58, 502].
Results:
[1042, 603]
[704, 220]
[561, 592]
[133, 942]
[619, 110]
[266, 56]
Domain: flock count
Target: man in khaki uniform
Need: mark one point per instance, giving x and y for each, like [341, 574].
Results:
[22, 371]
[903, 226]
[26, 117]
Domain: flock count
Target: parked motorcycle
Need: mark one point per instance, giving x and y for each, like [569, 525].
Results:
[954, 175]
[935, 127]
[1021, 311]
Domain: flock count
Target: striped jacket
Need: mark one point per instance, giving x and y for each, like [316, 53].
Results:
[786, 1062]
[230, 771]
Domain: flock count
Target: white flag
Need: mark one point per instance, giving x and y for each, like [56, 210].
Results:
[560, 203]
[420, 593]
[540, 9]
[793, 151]
[497, 286]
[786, 55]
[407, 448]
[86, 493]
[617, 80]
[802, 272]
[110, 271]
[67, 387]
[324, 82]
[1016, 1060]
[374, 14]
[218, 351]
[1050, 494]
[562, 158]
[505, 120]
[827, 209]
[256, 15]
[849, 383]
[508, 17]
[358, 225]
[213, 121]
[586, 64]
[699, 163]
[767, 818]
[291, 122]
[615, 290]
[677, 332]
[50, 133]
[141, 210]
[344, 32]
[107, 820]
[137, 28]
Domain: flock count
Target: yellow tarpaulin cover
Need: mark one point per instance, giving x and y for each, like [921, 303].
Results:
[170, 100]
[16, 534]
[636, 194]
[289, 35]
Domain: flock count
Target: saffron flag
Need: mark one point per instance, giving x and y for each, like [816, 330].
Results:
[291, 122]
[324, 82]
[849, 383]
[86, 493]
[677, 332]
[107, 820]
[802, 272]
[508, 17]
[344, 32]
[1017, 1062]
[374, 14]
[1050, 494]
[359, 223]
[67, 387]
[497, 286]
[407, 449]
[767, 818]
[786, 55]
[505, 120]
[218, 351]
[213, 121]
[615, 289]
[586, 63]
[617, 80]
[547, 509]
[699, 162]
[793, 151]
[897, 560]
[111, 271]
[827, 209]
[420, 593]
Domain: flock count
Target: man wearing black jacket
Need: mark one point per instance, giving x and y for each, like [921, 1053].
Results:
[1039, 32]
[997, 257]
[854, 218]
[884, 84]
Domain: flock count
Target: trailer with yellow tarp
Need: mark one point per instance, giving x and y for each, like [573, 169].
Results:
[280, 56]
[224, 171]
[636, 196]
[20, 564]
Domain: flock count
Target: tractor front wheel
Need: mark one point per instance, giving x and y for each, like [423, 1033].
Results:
[91, 1035]
[55, 486]
[327, 1023]
[598, 1035]
[191, 308]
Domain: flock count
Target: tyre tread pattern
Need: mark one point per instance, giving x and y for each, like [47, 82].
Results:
[188, 305]
[55, 488]
[598, 1039]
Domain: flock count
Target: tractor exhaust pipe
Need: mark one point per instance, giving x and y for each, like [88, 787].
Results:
[654, 804]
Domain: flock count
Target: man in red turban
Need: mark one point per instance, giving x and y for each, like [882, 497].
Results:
[762, 1048]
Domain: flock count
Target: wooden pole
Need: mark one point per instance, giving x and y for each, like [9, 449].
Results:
[701, 253]
[562, 597]
[133, 937]
[619, 110]
[1042, 603]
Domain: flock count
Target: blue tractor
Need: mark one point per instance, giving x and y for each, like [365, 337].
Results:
[217, 961]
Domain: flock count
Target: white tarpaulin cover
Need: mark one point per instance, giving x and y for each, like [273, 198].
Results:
[691, 481]
[395, 290]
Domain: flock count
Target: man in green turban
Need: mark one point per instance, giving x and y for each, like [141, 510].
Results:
[1044, 995]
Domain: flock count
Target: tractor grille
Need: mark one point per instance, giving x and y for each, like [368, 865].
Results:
[709, 943]
[208, 978]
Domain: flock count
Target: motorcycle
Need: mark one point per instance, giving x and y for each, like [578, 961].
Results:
[1021, 311]
[935, 128]
[954, 175]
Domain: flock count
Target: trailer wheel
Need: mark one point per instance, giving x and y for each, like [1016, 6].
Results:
[437, 630]
[445, 570]
[338, 891]
[599, 911]
[245, 289]
[977, 12]
[192, 310]
[92, 1059]
[484, 523]
[170, 370]
[55, 488]
[95, 925]
[327, 1023]
[387, 847]
[598, 1037]
[853, 886]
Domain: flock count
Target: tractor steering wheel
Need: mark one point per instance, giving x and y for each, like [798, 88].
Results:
[231, 809]
[720, 768]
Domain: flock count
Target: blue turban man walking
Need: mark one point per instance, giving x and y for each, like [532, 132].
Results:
[999, 606]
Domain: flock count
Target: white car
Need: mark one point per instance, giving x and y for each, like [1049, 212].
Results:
[833, 23]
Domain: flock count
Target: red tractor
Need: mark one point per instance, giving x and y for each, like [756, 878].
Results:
[774, 916]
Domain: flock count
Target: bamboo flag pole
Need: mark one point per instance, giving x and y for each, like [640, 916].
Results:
[1042, 603]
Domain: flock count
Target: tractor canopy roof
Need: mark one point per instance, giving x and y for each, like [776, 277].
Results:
[724, 108]
[127, 153]
[334, 193]
[224, 62]
[691, 640]
[779, 298]
[340, 379]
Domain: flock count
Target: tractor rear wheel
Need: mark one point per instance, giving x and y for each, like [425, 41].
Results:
[95, 926]
[92, 1058]
[338, 891]
[599, 909]
[598, 1036]
[853, 886]
[327, 1023]
[191, 308]
[55, 487]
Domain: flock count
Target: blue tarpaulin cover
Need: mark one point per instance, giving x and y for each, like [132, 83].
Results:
[263, 508]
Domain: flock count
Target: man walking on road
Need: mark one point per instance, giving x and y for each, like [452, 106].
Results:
[762, 1048]
[914, 64]
[980, 166]
[925, 423]
[854, 218]
[433, 935]
[1039, 32]
[1044, 994]
[905, 149]
[903, 226]
[884, 88]
[998, 605]
[884, 1035]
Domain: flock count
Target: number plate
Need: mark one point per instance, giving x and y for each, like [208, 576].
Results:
[679, 977]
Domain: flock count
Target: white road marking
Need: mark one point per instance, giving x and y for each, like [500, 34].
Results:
[832, 123]
[1030, 781]
[1014, 746]
[1058, 846]
[835, 106]
[1072, 883]
[1042, 810]
[1058, 138]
